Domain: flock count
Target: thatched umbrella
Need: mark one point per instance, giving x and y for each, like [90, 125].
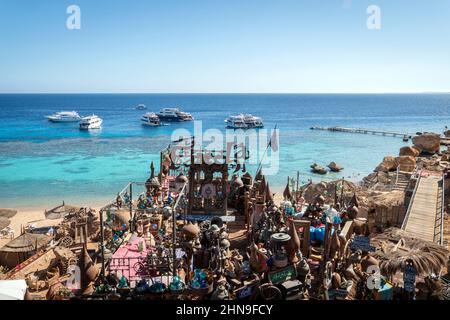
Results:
[7, 213]
[19, 249]
[4, 222]
[398, 246]
[60, 211]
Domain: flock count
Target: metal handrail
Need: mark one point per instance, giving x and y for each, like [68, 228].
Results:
[405, 220]
[441, 238]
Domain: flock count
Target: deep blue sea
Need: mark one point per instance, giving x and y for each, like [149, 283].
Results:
[43, 163]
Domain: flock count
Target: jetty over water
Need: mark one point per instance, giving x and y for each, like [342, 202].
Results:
[364, 131]
[425, 214]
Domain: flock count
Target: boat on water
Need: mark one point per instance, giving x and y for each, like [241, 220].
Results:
[150, 119]
[244, 121]
[141, 107]
[91, 122]
[64, 116]
[236, 122]
[174, 114]
[253, 122]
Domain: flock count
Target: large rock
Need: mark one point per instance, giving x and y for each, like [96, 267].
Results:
[389, 163]
[409, 151]
[335, 167]
[427, 142]
[447, 133]
[406, 163]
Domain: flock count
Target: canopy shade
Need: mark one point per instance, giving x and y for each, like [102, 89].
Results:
[397, 246]
[7, 213]
[26, 242]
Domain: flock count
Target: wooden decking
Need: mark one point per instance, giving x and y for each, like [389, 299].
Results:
[424, 210]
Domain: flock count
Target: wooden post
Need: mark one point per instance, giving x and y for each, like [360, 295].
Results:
[131, 208]
[102, 245]
[326, 248]
[224, 189]
[305, 224]
[174, 240]
[247, 218]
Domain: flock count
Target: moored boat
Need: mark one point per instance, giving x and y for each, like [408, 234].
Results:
[141, 107]
[174, 114]
[64, 116]
[91, 122]
[244, 121]
[150, 119]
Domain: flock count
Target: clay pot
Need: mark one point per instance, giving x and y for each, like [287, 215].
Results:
[336, 280]
[191, 231]
[88, 267]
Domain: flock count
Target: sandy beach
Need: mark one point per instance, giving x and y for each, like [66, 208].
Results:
[26, 216]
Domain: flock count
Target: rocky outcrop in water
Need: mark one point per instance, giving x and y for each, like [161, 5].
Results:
[318, 169]
[428, 143]
[334, 167]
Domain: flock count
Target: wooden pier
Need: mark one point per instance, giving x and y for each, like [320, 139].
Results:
[425, 212]
[405, 136]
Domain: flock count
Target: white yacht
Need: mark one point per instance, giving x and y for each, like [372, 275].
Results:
[185, 116]
[252, 121]
[64, 116]
[174, 114]
[141, 107]
[244, 121]
[236, 122]
[150, 119]
[91, 122]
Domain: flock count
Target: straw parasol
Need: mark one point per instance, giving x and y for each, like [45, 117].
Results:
[4, 222]
[60, 211]
[398, 246]
[19, 249]
[26, 242]
[7, 213]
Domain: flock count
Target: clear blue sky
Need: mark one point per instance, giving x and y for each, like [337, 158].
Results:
[224, 46]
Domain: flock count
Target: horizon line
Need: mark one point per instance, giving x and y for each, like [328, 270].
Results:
[272, 93]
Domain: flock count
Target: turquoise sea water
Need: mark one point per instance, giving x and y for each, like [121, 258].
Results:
[43, 163]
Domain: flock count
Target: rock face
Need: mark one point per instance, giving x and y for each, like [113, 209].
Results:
[334, 167]
[427, 142]
[409, 151]
[389, 163]
[406, 163]
[318, 169]
[447, 133]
